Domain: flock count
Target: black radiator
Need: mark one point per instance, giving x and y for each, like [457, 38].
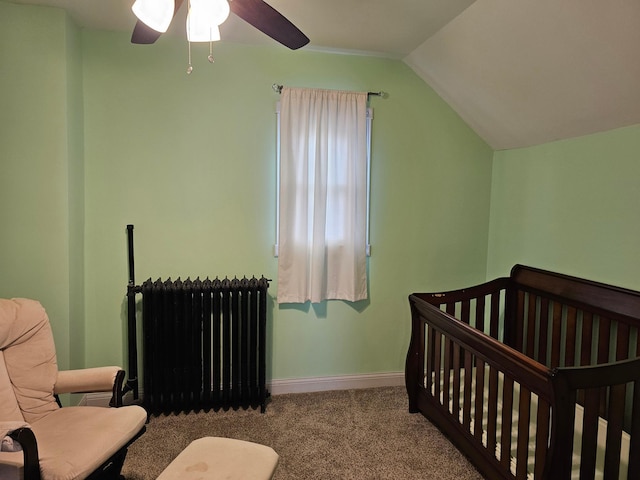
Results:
[203, 343]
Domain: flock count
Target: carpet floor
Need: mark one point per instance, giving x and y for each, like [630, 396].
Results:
[365, 434]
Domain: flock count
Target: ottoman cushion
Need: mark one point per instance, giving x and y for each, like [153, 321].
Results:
[222, 458]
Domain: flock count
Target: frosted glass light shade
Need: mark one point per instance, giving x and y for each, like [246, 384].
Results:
[215, 11]
[203, 19]
[156, 14]
[198, 31]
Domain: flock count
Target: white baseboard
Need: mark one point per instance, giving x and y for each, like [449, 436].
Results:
[341, 382]
[295, 385]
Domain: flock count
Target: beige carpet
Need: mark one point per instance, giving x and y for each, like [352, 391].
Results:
[350, 434]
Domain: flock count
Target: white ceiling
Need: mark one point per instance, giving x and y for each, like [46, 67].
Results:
[519, 72]
[526, 72]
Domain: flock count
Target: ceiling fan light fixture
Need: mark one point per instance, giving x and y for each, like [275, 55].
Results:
[218, 10]
[207, 34]
[156, 14]
[201, 31]
[203, 19]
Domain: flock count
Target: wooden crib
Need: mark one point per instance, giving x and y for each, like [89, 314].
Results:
[534, 376]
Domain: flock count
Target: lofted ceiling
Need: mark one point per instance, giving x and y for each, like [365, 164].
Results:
[520, 73]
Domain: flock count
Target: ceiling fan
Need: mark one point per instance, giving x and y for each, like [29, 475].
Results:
[255, 12]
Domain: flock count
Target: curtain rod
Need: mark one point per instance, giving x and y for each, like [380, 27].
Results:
[278, 89]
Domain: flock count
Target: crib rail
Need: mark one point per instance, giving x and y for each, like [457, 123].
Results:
[611, 392]
[568, 321]
[457, 366]
[602, 299]
[480, 306]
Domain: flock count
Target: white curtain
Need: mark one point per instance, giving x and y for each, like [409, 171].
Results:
[323, 195]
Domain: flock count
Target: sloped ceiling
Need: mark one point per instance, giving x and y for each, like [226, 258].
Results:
[519, 72]
[528, 72]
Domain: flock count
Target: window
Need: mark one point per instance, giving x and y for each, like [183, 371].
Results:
[323, 195]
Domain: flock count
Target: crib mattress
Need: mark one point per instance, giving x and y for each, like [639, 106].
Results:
[578, 425]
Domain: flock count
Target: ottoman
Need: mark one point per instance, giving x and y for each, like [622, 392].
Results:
[213, 458]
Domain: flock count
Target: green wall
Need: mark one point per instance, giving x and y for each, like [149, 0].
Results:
[96, 133]
[41, 184]
[570, 206]
[75, 195]
[190, 161]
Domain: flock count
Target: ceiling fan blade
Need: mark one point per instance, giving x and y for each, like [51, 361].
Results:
[269, 21]
[145, 35]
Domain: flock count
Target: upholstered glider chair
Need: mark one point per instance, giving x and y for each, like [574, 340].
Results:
[40, 439]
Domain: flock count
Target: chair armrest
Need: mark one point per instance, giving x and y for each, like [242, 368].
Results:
[98, 379]
[27, 440]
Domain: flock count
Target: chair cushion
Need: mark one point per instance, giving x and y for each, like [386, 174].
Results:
[74, 441]
[30, 356]
[9, 409]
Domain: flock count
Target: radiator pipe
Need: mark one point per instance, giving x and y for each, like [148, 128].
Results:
[132, 279]
[132, 382]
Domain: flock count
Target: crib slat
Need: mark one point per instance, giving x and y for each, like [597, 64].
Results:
[531, 326]
[604, 349]
[468, 376]
[495, 315]
[465, 311]
[587, 338]
[604, 338]
[451, 308]
[570, 337]
[617, 395]
[456, 377]
[479, 394]
[522, 453]
[492, 409]
[505, 434]
[589, 433]
[622, 344]
[542, 435]
[634, 460]
[543, 331]
[446, 377]
[480, 307]
[520, 320]
[556, 335]
[429, 340]
[437, 364]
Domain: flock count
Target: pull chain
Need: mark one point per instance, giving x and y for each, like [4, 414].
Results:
[189, 68]
[210, 57]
